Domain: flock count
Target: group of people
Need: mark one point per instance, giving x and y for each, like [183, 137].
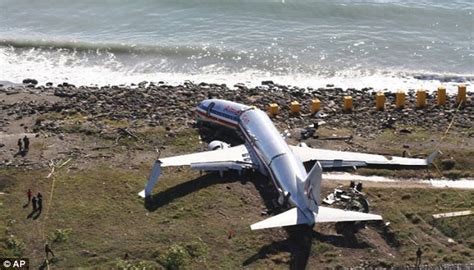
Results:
[24, 144]
[37, 201]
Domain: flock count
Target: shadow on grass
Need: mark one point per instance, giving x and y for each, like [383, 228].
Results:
[348, 241]
[300, 237]
[156, 201]
[298, 244]
[299, 240]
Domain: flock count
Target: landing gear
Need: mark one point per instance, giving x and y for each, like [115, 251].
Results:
[349, 199]
[283, 199]
[357, 203]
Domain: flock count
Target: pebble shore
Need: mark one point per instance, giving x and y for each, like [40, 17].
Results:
[172, 106]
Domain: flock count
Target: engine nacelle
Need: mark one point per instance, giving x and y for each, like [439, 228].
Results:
[302, 144]
[216, 145]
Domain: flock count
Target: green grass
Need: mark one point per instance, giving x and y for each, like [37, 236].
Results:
[410, 213]
[96, 218]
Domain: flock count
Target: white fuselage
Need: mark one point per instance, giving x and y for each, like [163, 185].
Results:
[267, 147]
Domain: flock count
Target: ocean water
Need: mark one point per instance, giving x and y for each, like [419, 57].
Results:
[310, 43]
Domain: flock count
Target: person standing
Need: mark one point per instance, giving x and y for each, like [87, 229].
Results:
[35, 207]
[26, 143]
[418, 257]
[48, 250]
[20, 145]
[29, 194]
[40, 201]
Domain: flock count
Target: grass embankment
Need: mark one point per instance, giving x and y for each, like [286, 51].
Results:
[96, 219]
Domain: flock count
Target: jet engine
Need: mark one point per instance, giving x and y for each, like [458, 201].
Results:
[216, 145]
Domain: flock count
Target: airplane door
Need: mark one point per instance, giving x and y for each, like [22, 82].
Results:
[209, 108]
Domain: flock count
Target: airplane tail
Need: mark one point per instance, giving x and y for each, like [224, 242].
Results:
[320, 214]
[312, 186]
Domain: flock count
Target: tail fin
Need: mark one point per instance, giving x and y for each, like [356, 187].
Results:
[312, 186]
[294, 216]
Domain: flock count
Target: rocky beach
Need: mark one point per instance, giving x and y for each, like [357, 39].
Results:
[55, 110]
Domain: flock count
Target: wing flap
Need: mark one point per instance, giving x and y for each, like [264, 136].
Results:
[335, 159]
[232, 154]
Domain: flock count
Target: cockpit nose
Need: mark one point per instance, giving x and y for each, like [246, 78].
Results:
[204, 104]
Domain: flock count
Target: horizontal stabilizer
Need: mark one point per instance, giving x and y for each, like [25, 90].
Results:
[327, 214]
[291, 217]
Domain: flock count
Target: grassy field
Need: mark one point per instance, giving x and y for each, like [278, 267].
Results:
[93, 218]
[96, 219]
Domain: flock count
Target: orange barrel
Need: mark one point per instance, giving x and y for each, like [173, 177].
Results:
[347, 103]
[273, 109]
[295, 107]
[315, 105]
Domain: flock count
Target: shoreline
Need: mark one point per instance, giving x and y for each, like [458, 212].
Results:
[375, 82]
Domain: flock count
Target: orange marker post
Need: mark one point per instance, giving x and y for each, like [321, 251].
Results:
[420, 99]
[461, 98]
[441, 96]
[379, 101]
[400, 99]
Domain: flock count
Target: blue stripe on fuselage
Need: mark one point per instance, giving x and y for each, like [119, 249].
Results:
[221, 114]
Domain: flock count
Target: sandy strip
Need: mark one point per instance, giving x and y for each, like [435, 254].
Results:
[391, 182]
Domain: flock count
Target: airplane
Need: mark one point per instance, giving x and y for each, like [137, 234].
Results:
[265, 150]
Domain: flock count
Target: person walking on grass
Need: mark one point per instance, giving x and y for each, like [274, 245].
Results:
[20, 145]
[35, 206]
[418, 257]
[29, 194]
[48, 250]
[26, 141]
[40, 201]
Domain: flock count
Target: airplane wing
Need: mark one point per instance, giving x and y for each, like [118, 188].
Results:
[339, 159]
[233, 158]
[232, 154]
